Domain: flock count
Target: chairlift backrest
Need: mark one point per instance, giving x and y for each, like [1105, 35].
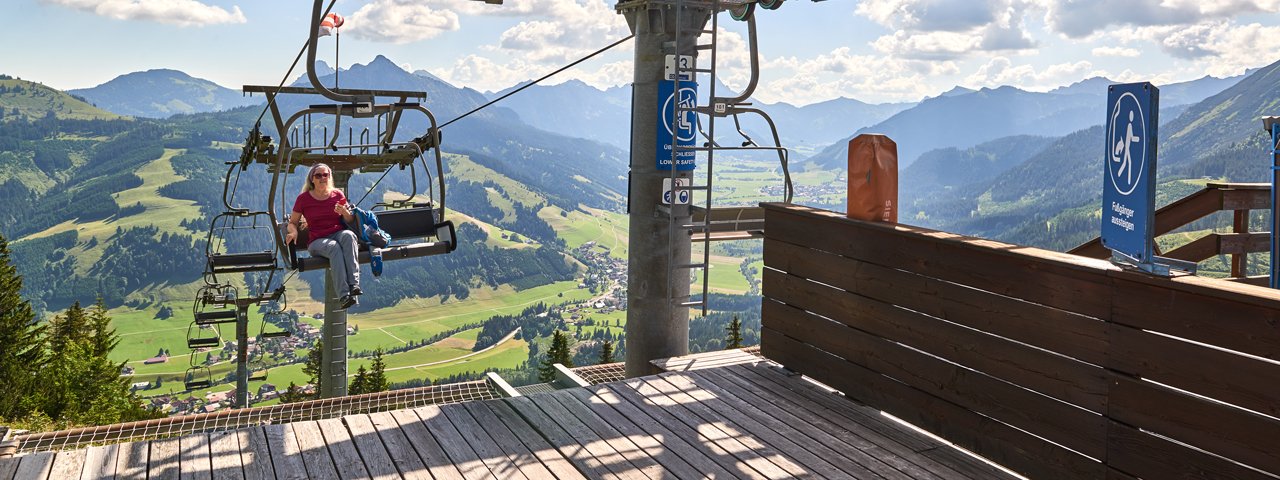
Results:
[416, 222]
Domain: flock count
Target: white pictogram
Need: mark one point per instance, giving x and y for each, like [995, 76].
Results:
[1127, 150]
[1125, 146]
[684, 118]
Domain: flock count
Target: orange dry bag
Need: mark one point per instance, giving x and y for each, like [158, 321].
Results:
[873, 178]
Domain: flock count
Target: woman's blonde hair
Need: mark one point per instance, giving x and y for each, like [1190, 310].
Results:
[309, 185]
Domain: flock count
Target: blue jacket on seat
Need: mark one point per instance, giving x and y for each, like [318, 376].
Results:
[371, 234]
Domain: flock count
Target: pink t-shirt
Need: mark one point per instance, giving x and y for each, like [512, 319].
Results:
[322, 221]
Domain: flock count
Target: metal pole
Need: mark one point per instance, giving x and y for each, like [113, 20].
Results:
[1275, 202]
[333, 360]
[242, 354]
[656, 328]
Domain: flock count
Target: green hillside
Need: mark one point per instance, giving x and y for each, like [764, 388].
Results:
[30, 100]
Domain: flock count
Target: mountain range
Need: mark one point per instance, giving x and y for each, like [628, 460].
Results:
[964, 118]
[969, 158]
[574, 108]
[1052, 199]
[162, 93]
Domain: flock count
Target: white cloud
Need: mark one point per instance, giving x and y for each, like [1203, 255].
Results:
[400, 21]
[556, 33]
[483, 73]
[1115, 52]
[841, 73]
[1081, 18]
[1218, 47]
[930, 15]
[565, 31]
[509, 8]
[932, 45]
[183, 13]
[1000, 71]
[1228, 49]
[948, 29]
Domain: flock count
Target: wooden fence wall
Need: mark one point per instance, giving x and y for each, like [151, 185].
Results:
[1053, 365]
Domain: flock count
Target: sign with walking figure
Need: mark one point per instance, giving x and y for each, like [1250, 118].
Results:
[1128, 199]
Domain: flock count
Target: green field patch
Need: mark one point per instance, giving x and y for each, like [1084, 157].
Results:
[495, 234]
[33, 100]
[160, 211]
[462, 168]
[450, 348]
[725, 276]
[607, 229]
[482, 304]
[369, 339]
[509, 354]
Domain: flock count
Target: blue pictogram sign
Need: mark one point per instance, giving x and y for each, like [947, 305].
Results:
[1128, 195]
[677, 124]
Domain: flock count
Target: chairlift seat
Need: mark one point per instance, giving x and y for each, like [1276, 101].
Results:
[242, 262]
[415, 222]
[280, 334]
[216, 317]
[194, 343]
[197, 384]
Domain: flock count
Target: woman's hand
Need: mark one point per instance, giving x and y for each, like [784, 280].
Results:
[343, 209]
[290, 237]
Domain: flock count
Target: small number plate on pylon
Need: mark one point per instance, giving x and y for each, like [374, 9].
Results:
[687, 64]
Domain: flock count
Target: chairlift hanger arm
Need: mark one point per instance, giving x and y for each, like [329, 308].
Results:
[313, 33]
[755, 68]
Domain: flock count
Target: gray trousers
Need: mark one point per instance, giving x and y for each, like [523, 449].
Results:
[340, 248]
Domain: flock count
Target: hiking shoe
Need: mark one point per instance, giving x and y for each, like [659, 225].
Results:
[355, 292]
[347, 301]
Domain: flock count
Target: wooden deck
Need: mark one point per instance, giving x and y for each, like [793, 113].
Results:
[747, 420]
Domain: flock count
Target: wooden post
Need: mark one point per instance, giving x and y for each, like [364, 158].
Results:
[1239, 260]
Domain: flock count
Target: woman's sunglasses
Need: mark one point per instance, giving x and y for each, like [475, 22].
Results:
[321, 175]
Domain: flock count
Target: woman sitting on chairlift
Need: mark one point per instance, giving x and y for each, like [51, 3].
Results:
[325, 209]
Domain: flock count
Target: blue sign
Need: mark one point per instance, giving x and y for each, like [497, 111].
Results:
[675, 125]
[1128, 190]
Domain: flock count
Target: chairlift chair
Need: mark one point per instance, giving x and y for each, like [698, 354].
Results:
[276, 312]
[215, 305]
[197, 378]
[222, 263]
[196, 341]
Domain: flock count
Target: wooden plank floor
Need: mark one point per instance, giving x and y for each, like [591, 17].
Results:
[737, 418]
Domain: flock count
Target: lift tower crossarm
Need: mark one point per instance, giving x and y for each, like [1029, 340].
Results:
[346, 91]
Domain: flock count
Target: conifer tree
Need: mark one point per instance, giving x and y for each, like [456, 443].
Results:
[72, 326]
[81, 385]
[21, 355]
[377, 379]
[606, 352]
[735, 333]
[312, 366]
[292, 394]
[103, 338]
[359, 384]
[558, 353]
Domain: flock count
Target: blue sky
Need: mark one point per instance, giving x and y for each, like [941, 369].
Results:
[872, 50]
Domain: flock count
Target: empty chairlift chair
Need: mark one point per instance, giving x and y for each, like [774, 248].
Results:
[215, 305]
[225, 228]
[197, 378]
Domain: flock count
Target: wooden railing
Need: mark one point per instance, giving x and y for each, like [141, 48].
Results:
[1054, 365]
[1238, 198]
